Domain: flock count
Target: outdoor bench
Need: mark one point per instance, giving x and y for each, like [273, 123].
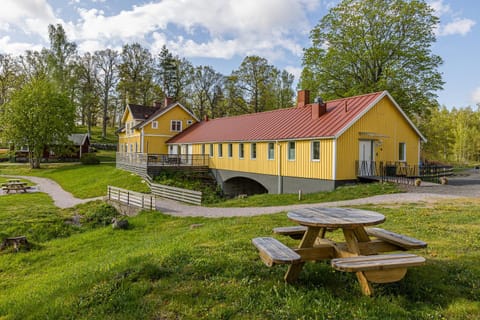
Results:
[273, 252]
[382, 268]
[294, 232]
[15, 241]
[400, 240]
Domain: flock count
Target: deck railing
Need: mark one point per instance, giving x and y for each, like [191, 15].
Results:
[162, 160]
[401, 172]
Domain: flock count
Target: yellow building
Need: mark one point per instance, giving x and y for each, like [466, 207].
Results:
[146, 129]
[310, 147]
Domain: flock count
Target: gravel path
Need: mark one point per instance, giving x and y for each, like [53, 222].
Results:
[467, 186]
[61, 198]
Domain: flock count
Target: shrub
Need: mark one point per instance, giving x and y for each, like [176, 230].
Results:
[89, 158]
[98, 214]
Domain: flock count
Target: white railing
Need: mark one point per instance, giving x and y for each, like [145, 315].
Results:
[178, 194]
[137, 199]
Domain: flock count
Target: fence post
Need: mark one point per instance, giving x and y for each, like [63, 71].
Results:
[128, 197]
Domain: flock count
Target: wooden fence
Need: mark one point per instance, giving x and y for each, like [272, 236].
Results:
[137, 199]
[178, 194]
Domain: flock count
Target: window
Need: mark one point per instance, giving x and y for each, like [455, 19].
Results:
[315, 149]
[176, 125]
[240, 150]
[230, 150]
[220, 150]
[154, 124]
[402, 152]
[203, 148]
[291, 150]
[189, 122]
[211, 149]
[271, 151]
[253, 151]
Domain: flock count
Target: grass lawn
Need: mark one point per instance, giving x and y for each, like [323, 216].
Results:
[83, 181]
[161, 268]
[339, 194]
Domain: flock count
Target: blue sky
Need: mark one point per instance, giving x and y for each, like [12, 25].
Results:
[220, 33]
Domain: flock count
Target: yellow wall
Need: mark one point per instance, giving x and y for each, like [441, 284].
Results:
[154, 138]
[387, 126]
[302, 166]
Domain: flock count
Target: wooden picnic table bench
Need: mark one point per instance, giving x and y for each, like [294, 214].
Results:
[16, 242]
[358, 253]
[15, 186]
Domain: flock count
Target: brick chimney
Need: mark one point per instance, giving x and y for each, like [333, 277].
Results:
[167, 101]
[303, 98]
[319, 108]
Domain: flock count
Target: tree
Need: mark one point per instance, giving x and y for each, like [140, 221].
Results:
[136, 72]
[38, 116]
[61, 55]
[106, 61]
[9, 77]
[88, 90]
[255, 81]
[364, 46]
[206, 91]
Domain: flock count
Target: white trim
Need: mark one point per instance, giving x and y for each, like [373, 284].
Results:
[268, 151]
[160, 135]
[374, 103]
[311, 151]
[334, 163]
[168, 109]
[141, 140]
[154, 124]
[176, 121]
[251, 151]
[294, 149]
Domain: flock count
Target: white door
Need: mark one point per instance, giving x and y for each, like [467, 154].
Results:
[366, 159]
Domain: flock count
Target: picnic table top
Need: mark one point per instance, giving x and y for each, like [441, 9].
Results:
[345, 218]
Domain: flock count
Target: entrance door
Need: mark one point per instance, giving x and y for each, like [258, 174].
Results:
[366, 159]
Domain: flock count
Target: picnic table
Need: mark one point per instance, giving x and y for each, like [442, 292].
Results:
[359, 253]
[14, 185]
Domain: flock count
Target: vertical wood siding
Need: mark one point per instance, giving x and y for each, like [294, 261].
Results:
[386, 125]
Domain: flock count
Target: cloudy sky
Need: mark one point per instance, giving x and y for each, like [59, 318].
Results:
[221, 33]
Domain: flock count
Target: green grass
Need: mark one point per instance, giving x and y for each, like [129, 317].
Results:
[83, 181]
[96, 134]
[161, 268]
[339, 194]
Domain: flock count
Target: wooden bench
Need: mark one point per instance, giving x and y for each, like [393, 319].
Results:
[294, 232]
[404, 242]
[273, 252]
[382, 268]
[15, 241]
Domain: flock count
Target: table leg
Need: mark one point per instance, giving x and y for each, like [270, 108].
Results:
[307, 242]
[352, 237]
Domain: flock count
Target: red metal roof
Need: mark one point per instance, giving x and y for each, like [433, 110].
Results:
[281, 124]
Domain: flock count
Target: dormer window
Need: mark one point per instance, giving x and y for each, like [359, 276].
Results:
[154, 124]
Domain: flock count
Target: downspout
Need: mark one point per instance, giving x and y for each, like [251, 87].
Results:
[141, 140]
[279, 168]
[334, 164]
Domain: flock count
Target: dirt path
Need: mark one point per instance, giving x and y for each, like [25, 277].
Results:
[61, 198]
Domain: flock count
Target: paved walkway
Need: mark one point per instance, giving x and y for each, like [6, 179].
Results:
[427, 193]
[61, 198]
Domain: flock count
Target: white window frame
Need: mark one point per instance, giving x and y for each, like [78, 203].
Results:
[241, 151]
[230, 150]
[253, 151]
[175, 125]
[220, 150]
[189, 122]
[272, 145]
[203, 148]
[154, 124]
[289, 147]
[402, 156]
[211, 150]
[312, 150]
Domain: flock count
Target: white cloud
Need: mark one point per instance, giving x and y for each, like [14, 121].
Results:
[226, 27]
[456, 24]
[30, 16]
[461, 26]
[296, 71]
[16, 48]
[476, 95]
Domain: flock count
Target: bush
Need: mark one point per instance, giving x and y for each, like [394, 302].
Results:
[89, 158]
[98, 214]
